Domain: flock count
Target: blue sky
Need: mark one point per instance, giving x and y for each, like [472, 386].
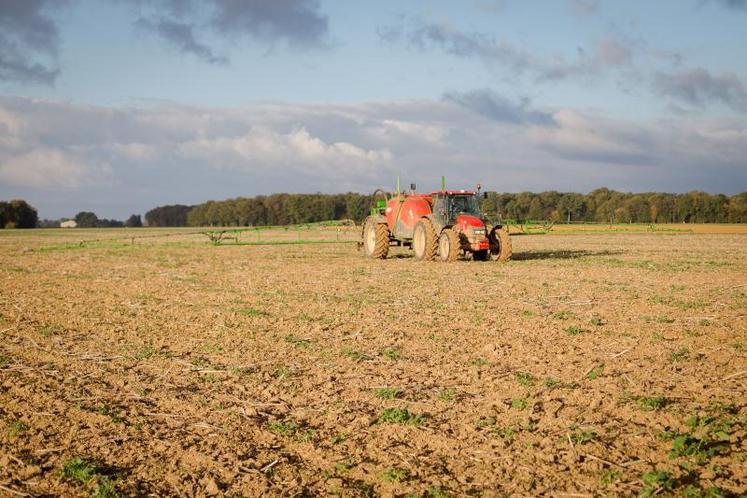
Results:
[121, 105]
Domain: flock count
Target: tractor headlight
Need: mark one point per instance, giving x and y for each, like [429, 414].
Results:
[479, 232]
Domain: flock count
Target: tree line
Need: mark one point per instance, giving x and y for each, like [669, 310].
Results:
[601, 205]
[609, 206]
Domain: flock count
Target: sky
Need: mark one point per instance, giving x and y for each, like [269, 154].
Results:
[119, 106]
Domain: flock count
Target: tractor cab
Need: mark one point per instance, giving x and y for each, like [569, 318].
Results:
[449, 204]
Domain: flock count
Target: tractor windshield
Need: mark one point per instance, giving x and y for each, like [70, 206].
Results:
[464, 204]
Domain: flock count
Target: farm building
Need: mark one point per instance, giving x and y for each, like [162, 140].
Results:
[68, 224]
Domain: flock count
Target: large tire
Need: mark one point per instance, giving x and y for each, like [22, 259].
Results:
[500, 245]
[375, 239]
[448, 245]
[424, 240]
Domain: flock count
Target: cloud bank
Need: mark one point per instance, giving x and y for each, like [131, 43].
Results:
[125, 160]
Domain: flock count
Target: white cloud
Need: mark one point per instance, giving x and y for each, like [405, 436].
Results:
[434, 134]
[263, 149]
[51, 169]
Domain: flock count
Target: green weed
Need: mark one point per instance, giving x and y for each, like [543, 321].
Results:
[108, 411]
[579, 436]
[344, 466]
[391, 353]
[447, 394]
[395, 474]
[656, 337]
[50, 330]
[297, 341]
[550, 382]
[16, 428]
[281, 373]
[608, 476]
[519, 403]
[148, 352]
[400, 416]
[562, 315]
[595, 372]
[436, 492]
[85, 472]
[387, 392]
[680, 354]
[105, 488]
[251, 312]
[574, 330]
[706, 437]
[654, 403]
[737, 346]
[79, 470]
[524, 378]
[654, 482]
[355, 355]
[291, 429]
[211, 348]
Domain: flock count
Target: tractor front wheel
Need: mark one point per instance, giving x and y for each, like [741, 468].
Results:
[480, 255]
[424, 240]
[375, 240]
[448, 245]
[500, 244]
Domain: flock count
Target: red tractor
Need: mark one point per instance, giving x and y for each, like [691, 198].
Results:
[443, 223]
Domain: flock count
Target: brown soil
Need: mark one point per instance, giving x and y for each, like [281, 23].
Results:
[172, 367]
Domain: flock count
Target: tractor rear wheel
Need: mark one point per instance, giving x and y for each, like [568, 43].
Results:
[424, 240]
[375, 239]
[448, 245]
[500, 245]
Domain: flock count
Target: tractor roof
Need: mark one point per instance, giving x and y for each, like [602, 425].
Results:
[453, 192]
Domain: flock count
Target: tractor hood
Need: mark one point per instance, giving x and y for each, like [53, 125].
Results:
[468, 220]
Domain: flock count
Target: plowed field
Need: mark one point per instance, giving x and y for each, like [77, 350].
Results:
[591, 364]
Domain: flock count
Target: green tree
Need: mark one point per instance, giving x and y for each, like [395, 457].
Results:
[134, 221]
[86, 219]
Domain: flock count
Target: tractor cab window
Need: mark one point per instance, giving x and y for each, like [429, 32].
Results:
[464, 204]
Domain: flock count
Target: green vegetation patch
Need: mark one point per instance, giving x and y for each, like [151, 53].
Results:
[653, 403]
[400, 416]
[290, 428]
[88, 473]
[395, 474]
[387, 392]
[251, 312]
[524, 378]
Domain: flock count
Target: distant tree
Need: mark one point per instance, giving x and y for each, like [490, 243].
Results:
[168, 216]
[17, 214]
[737, 209]
[5, 214]
[133, 221]
[106, 223]
[86, 219]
